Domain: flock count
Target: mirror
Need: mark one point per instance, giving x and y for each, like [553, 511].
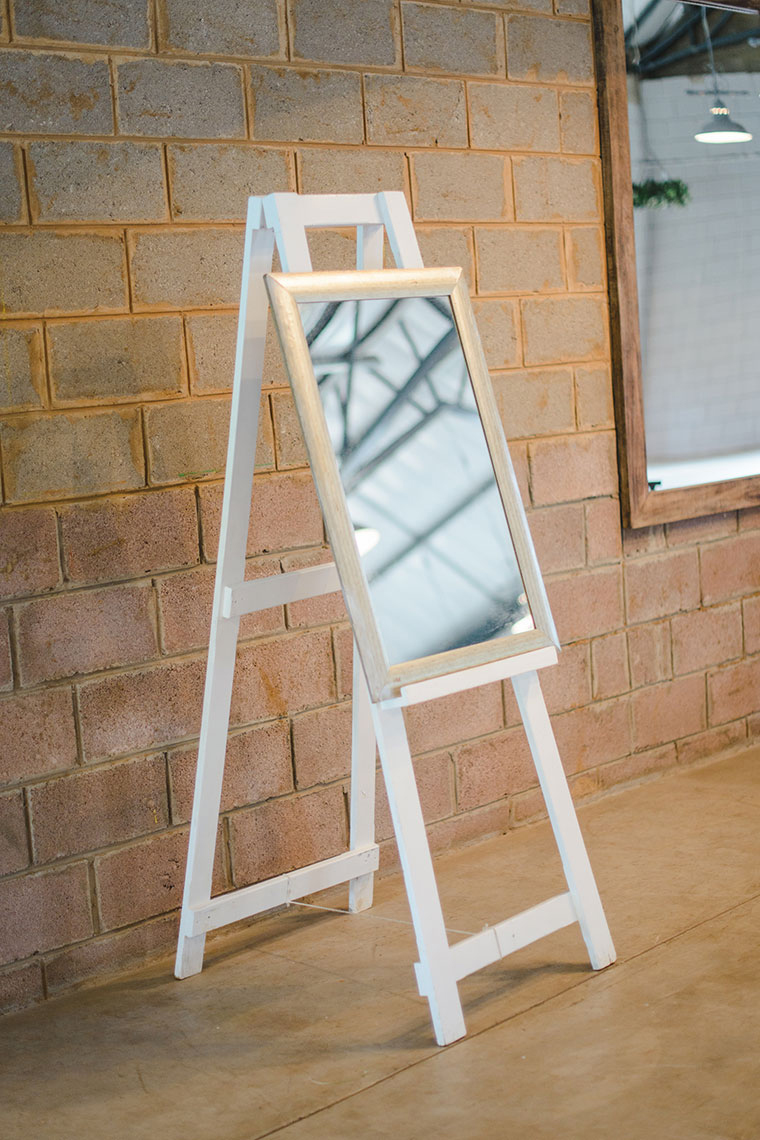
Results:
[679, 107]
[414, 464]
[412, 470]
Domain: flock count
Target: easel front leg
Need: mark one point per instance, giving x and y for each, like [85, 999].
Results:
[559, 804]
[436, 978]
[362, 784]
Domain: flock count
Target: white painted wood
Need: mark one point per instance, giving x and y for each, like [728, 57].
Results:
[472, 678]
[236, 905]
[279, 589]
[362, 809]
[435, 974]
[512, 934]
[559, 804]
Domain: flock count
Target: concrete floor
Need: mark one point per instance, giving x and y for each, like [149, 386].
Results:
[309, 1025]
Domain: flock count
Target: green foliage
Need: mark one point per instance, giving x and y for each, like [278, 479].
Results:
[654, 193]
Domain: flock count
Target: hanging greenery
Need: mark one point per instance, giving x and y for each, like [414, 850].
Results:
[653, 193]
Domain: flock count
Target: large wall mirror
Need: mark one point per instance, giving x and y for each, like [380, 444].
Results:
[679, 98]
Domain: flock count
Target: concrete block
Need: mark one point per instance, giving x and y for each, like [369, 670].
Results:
[450, 720]
[278, 836]
[145, 879]
[117, 23]
[730, 568]
[712, 743]
[97, 182]
[587, 604]
[290, 448]
[609, 657]
[650, 654]
[45, 911]
[22, 367]
[85, 630]
[54, 94]
[211, 351]
[584, 247]
[453, 39]
[357, 31]
[53, 273]
[406, 110]
[98, 808]
[559, 536]
[285, 514]
[573, 467]
[14, 854]
[494, 767]
[447, 246]
[513, 118]
[701, 530]
[6, 664]
[578, 8]
[732, 692]
[751, 616]
[322, 745]
[559, 329]
[498, 324]
[188, 440]
[141, 710]
[116, 359]
[662, 585]
[257, 766]
[556, 189]
[578, 122]
[130, 535]
[461, 187]
[593, 397]
[588, 735]
[22, 986]
[668, 711]
[213, 183]
[603, 530]
[347, 171]
[549, 51]
[28, 552]
[536, 402]
[57, 456]
[109, 954]
[512, 260]
[434, 777]
[197, 268]
[706, 637]
[227, 27]
[283, 675]
[12, 199]
[180, 100]
[39, 735]
[306, 106]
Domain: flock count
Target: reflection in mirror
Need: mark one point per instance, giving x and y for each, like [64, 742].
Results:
[694, 118]
[417, 475]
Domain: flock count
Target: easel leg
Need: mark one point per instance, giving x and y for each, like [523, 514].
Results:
[559, 804]
[362, 784]
[436, 980]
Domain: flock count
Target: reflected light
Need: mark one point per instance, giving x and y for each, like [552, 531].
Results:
[524, 625]
[367, 538]
[721, 128]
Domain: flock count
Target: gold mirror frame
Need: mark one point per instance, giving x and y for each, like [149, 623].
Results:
[385, 678]
[641, 506]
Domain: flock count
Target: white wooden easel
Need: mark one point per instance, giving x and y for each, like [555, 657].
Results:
[283, 219]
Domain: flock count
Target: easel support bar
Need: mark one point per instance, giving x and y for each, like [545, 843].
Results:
[512, 934]
[279, 589]
[236, 905]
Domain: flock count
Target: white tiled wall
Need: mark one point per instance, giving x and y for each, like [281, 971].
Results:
[698, 270]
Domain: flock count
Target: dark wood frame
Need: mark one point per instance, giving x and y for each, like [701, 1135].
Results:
[641, 507]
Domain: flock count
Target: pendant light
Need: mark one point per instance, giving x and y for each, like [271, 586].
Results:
[721, 128]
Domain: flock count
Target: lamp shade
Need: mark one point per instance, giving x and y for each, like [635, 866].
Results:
[721, 128]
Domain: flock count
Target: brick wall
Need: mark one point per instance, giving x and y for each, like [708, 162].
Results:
[131, 137]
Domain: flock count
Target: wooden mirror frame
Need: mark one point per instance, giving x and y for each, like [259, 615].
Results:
[385, 678]
[641, 506]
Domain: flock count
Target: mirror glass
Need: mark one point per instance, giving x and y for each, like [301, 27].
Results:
[694, 117]
[416, 471]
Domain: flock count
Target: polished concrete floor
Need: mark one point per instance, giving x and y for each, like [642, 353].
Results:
[308, 1025]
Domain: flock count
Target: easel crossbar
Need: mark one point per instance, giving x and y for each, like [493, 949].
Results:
[279, 589]
[495, 942]
[236, 905]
